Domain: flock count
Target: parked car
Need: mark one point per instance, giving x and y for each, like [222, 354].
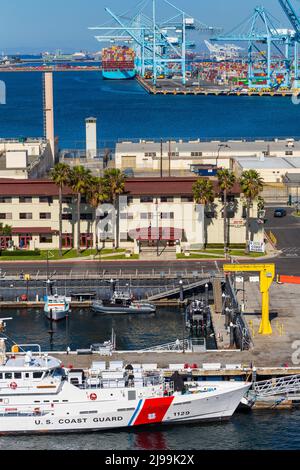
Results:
[279, 213]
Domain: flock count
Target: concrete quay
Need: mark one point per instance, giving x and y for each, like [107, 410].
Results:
[175, 87]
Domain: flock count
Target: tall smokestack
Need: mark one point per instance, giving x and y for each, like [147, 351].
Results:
[91, 137]
[49, 111]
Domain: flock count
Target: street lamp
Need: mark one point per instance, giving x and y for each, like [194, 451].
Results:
[219, 148]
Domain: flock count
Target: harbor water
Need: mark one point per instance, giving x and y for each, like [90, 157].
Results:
[124, 111]
[245, 431]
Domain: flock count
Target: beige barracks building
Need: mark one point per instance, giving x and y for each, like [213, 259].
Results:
[152, 210]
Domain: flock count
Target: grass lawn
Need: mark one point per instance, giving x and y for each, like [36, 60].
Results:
[119, 257]
[212, 253]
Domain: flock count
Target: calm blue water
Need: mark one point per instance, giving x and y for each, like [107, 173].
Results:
[125, 110]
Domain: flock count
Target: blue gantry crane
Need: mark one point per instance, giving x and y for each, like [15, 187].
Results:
[295, 22]
[264, 35]
[158, 43]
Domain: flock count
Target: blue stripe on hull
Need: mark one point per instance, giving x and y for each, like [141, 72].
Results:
[135, 413]
[118, 74]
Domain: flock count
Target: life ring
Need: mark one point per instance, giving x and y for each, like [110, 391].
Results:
[93, 396]
[13, 385]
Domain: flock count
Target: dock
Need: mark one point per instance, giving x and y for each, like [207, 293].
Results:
[174, 88]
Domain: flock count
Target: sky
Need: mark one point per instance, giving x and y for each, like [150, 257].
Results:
[46, 25]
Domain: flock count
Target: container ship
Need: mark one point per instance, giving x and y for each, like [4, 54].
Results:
[118, 63]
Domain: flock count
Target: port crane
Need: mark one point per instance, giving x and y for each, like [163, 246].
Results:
[158, 43]
[259, 30]
[294, 19]
[266, 278]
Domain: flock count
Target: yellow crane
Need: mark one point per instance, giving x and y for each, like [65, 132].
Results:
[267, 275]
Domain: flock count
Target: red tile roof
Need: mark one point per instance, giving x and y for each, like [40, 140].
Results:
[14, 187]
[134, 186]
[32, 230]
[167, 186]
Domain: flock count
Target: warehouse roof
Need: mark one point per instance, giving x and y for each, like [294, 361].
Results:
[236, 146]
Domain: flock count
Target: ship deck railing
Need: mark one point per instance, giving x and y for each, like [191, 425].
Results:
[122, 382]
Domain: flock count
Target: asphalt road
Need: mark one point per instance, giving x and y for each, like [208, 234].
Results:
[284, 265]
[287, 231]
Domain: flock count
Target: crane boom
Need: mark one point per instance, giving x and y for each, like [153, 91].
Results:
[292, 16]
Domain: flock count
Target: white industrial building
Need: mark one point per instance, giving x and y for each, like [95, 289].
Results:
[271, 169]
[25, 158]
[179, 156]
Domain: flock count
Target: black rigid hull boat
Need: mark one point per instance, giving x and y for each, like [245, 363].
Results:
[122, 302]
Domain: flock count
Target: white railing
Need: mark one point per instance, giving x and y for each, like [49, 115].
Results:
[276, 386]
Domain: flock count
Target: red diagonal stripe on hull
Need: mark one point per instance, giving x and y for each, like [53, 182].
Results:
[154, 410]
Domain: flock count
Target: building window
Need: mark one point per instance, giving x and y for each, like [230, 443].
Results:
[83, 200]
[289, 152]
[196, 154]
[166, 199]
[146, 216]
[67, 217]
[150, 154]
[167, 215]
[146, 199]
[174, 154]
[26, 215]
[5, 200]
[6, 216]
[87, 216]
[25, 199]
[46, 199]
[129, 200]
[126, 216]
[67, 199]
[187, 199]
[47, 238]
[45, 215]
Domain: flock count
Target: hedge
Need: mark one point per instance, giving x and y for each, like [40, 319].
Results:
[14, 253]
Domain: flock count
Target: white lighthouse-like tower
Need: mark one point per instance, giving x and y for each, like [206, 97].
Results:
[91, 137]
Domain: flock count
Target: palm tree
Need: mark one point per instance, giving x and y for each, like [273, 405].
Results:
[203, 193]
[60, 175]
[80, 181]
[226, 179]
[114, 185]
[252, 185]
[96, 196]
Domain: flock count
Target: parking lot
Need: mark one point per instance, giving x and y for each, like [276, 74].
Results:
[286, 230]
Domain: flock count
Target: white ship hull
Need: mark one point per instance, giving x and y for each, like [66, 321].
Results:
[97, 410]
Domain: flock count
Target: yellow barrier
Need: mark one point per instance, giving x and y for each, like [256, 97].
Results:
[272, 238]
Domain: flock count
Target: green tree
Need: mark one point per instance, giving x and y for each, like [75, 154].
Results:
[203, 193]
[5, 230]
[80, 180]
[252, 185]
[60, 175]
[114, 185]
[96, 195]
[226, 179]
